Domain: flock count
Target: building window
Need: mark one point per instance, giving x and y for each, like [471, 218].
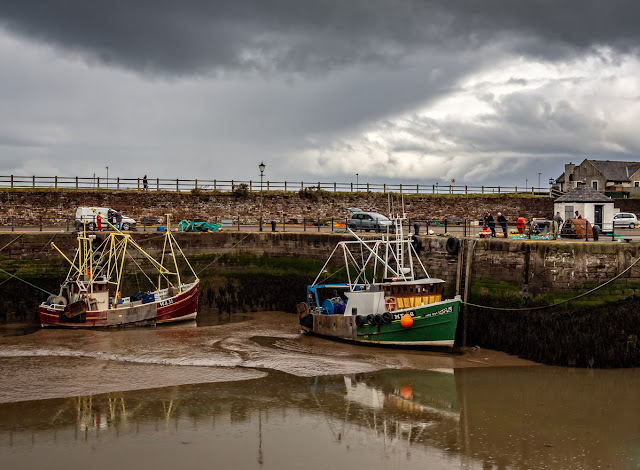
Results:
[637, 184]
[595, 185]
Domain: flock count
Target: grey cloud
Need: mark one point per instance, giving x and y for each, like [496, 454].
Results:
[289, 36]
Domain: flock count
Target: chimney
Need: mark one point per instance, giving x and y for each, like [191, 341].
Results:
[568, 175]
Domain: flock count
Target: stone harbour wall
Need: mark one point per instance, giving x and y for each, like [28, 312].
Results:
[27, 206]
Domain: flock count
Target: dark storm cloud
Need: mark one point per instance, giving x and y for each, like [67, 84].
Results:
[290, 36]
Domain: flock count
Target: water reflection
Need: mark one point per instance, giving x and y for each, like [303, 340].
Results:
[484, 418]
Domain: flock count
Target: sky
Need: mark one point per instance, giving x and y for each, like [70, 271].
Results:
[491, 92]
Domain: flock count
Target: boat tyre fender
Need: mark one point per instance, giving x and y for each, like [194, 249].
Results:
[378, 320]
[386, 318]
[359, 320]
[416, 241]
[371, 319]
[453, 244]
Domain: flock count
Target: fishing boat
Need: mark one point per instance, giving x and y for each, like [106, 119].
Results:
[388, 299]
[91, 295]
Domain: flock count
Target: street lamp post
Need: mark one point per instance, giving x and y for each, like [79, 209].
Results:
[539, 173]
[107, 177]
[262, 166]
[357, 183]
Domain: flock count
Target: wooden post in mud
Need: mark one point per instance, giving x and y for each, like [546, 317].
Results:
[467, 280]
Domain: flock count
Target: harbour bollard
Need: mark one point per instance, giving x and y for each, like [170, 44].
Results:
[273, 225]
[416, 227]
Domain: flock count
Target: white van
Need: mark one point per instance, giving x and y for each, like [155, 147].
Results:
[89, 215]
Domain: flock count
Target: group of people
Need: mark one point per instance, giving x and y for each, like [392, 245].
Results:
[490, 223]
[114, 217]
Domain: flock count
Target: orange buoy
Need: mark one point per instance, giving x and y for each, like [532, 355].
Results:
[406, 392]
[406, 320]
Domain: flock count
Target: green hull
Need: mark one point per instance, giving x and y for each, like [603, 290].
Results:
[434, 325]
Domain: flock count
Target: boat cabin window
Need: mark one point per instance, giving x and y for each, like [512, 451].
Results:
[412, 290]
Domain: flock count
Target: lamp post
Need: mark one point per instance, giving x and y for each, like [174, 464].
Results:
[357, 183]
[262, 166]
[107, 177]
[539, 179]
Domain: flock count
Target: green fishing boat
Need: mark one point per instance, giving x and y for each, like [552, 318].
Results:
[389, 298]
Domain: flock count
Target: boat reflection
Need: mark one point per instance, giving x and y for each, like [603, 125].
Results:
[493, 418]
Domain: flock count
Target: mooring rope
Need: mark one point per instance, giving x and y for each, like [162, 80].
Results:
[560, 302]
[7, 280]
[26, 282]
[11, 242]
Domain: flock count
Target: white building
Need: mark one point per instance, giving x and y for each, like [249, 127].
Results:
[591, 204]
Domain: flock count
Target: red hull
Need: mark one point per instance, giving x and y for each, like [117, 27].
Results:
[184, 306]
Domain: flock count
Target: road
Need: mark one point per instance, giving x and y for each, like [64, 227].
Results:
[454, 230]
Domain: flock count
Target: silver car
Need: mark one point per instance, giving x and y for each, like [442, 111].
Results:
[367, 221]
[625, 219]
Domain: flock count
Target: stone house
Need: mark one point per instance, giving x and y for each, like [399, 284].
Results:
[602, 175]
[591, 204]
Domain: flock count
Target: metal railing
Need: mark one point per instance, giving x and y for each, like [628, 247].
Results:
[450, 226]
[184, 185]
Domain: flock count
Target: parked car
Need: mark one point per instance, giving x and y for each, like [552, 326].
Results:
[367, 221]
[90, 214]
[625, 219]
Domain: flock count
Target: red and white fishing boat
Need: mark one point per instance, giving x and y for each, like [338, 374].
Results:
[91, 295]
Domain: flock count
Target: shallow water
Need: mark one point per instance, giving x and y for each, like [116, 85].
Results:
[256, 394]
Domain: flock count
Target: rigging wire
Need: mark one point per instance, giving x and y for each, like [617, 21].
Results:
[220, 255]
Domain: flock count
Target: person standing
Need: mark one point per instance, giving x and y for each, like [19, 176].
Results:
[99, 222]
[578, 216]
[145, 183]
[491, 223]
[119, 219]
[557, 223]
[502, 220]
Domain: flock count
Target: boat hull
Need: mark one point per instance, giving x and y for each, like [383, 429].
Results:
[433, 326]
[181, 307]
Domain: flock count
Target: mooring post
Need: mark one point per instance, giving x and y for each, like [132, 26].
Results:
[283, 222]
[445, 225]
[304, 224]
[41, 223]
[144, 223]
[613, 236]
[332, 224]
[67, 223]
[238, 223]
[318, 224]
[12, 226]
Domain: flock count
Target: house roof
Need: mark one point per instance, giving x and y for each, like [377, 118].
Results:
[616, 171]
[584, 193]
